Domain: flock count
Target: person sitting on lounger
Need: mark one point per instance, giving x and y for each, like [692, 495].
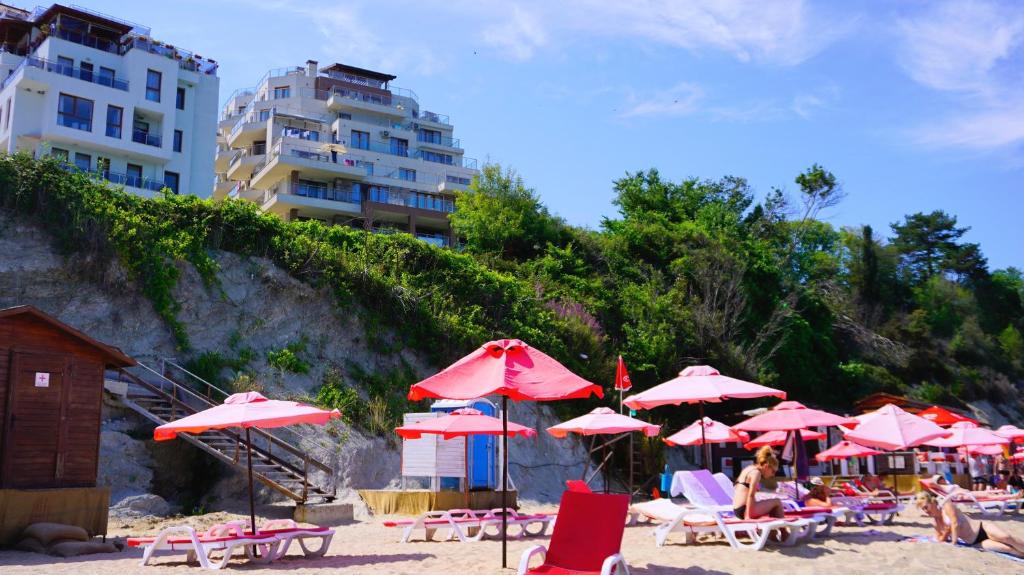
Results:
[748, 483]
[872, 483]
[1015, 483]
[953, 526]
[819, 495]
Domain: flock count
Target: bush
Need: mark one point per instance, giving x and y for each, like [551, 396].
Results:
[288, 360]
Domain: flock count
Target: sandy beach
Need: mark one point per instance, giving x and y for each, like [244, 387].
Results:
[370, 548]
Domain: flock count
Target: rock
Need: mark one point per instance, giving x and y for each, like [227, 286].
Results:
[125, 464]
[141, 506]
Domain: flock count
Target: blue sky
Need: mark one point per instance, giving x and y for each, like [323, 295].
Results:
[915, 106]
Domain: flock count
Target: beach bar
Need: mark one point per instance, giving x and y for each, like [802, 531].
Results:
[51, 390]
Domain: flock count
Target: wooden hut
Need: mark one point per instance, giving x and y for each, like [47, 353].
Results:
[51, 391]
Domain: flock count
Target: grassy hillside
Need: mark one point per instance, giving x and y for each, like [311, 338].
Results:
[694, 272]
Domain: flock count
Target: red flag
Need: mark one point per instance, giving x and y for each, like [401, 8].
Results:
[622, 381]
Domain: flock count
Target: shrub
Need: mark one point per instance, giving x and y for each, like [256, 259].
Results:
[288, 360]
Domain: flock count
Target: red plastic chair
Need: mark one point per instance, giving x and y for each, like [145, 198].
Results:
[578, 486]
[586, 539]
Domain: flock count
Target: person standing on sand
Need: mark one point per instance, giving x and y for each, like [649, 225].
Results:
[744, 501]
[952, 526]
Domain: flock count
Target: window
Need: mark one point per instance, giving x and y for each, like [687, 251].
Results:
[83, 161]
[407, 174]
[345, 116]
[282, 92]
[264, 115]
[74, 112]
[153, 80]
[65, 66]
[436, 157]
[259, 147]
[106, 76]
[179, 99]
[360, 140]
[7, 120]
[430, 136]
[60, 153]
[133, 176]
[176, 144]
[171, 181]
[115, 115]
[86, 72]
[399, 147]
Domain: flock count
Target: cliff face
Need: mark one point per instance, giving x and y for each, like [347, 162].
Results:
[256, 306]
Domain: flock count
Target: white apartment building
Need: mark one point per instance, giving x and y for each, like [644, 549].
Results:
[343, 146]
[107, 98]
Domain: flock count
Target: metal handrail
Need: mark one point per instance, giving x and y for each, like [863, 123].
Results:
[208, 401]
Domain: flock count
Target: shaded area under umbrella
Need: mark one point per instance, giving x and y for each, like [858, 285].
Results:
[246, 410]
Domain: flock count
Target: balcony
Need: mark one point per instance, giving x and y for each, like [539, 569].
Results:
[426, 116]
[410, 199]
[315, 162]
[185, 59]
[317, 201]
[439, 240]
[341, 99]
[88, 40]
[131, 181]
[66, 70]
[446, 159]
[245, 161]
[434, 140]
[452, 182]
[144, 137]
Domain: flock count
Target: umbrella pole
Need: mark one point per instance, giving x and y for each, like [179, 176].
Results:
[465, 462]
[703, 442]
[252, 497]
[504, 482]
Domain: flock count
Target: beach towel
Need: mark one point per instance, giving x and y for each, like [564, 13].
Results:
[931, 539]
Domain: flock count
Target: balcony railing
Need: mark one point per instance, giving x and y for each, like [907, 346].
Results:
[104, 44]
[439, 240]
[343, 194]
[131, 180]
[185, 59]
[434, 117]
[438, 139]
[410, 199]
[144, 137]
[446, 159]
[66, 70]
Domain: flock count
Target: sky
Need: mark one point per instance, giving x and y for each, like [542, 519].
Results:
[913, 105]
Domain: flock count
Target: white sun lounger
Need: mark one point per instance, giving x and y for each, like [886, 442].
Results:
[287, 532]
[692, 522]
[201, 547]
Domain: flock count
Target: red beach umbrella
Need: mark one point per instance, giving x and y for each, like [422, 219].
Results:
[462, 423]
[699, 384]
[943, 417]
[776, 438]
[1011, 432]
[845, 450]
[512, 369]
[706, 430]
[246, 410]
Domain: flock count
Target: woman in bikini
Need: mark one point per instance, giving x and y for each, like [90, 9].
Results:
[744, 502]
[951, 525]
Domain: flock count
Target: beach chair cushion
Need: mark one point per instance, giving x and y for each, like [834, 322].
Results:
[588, 531]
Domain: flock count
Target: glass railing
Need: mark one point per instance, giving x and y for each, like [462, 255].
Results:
[235, 190]
[438, 139]
[84, 39]
[439, 240]
[131, 180]
[144, 137]
[316, 155]
[433, 117]
[445, 159]
[69, 71]
[453, 179]
[410, 199]
[185, 59]
[326, 192]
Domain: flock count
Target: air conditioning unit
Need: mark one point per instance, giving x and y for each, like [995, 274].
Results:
[385, 134]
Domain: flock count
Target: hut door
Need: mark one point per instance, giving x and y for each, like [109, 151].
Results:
[32, 442]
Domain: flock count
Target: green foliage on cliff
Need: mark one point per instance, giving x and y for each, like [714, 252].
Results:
[691, 272]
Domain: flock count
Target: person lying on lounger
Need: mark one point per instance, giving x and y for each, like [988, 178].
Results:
[819, 495]
[748, 483]
[953, 526]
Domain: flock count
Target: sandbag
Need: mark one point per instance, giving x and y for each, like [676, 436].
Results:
[75, 548]
[47, 533]
[31, 545]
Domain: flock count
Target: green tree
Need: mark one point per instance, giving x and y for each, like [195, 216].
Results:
[1012, 345]
[928, 245]
[499, 215]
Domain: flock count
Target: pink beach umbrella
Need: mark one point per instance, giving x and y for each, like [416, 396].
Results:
[845, 450]
[246, 410]
[776, 438]
[512, 369]
[894, 429]
[982, 450]
[463, 423]
[699, 384]
[965, 434]
[604, 421]
[706, 430]
[1011, 432]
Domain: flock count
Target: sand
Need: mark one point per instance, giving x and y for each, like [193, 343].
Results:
[369, 547]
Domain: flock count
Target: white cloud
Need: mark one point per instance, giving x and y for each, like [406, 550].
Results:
[689, 99]
[974, 51]
[517, 35]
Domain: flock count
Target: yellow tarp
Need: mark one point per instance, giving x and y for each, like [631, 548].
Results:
[85, 507]
[418, 502]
